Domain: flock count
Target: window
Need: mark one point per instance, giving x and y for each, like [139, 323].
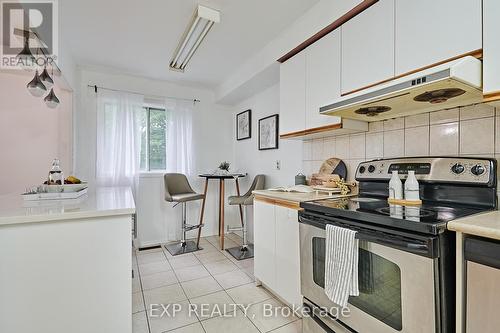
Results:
[153, 124]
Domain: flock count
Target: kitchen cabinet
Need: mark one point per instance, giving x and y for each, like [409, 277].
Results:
[322, 79]
[430, 31]
[491, 49]
[368, 47]
[276, 250]
[292, 94]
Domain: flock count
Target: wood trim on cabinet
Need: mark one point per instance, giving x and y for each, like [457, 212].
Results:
[476, 53]
[329, 28]
[492, 96]
[279, 202]
[311, 131]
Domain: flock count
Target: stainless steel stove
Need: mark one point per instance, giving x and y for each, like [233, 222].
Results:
[406, 263]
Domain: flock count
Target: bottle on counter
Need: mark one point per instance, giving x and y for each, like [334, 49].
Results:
[56, 176]
[395, 187]
[412, 190]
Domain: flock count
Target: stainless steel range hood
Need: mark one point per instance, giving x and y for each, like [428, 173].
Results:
[448, 85]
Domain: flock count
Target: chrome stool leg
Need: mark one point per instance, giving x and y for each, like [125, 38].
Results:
[245, 251]
[184, 246]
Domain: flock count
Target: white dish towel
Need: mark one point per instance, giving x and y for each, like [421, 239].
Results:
[341, 264]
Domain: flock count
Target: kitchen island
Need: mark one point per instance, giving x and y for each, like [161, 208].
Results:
[66, 266]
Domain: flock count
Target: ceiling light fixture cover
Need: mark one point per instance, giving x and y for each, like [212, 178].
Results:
[203, 19]
[36, 87]
[51, 99]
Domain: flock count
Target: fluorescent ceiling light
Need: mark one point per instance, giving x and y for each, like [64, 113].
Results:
[203, 19]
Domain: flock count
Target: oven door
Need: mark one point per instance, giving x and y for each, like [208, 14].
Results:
[397, 288]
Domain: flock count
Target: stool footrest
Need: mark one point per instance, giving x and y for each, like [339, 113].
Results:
[233, 229]
[189, 227]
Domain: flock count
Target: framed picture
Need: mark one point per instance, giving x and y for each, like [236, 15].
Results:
[268, 132]
[244, 125]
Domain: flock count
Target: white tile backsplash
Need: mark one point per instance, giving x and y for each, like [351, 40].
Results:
[444, 139]
[444, 116]
[394, 143]
[357, 146]
[471, 131]
[375, 145]
[477, 136]
[477, 111]
[417, 141]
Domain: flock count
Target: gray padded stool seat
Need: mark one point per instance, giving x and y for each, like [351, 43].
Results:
[178, 190]
[246, 250]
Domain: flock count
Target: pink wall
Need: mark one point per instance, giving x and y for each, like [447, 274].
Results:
[31, 135]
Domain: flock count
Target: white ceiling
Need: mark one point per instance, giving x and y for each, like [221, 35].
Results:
[139, 36]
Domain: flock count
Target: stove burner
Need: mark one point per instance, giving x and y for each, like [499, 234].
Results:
[409, 211]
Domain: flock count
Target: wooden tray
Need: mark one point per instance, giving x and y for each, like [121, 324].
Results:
[403, 202]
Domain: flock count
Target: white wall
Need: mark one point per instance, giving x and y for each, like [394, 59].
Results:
[212, 141]
[249, 159]
[31, 134]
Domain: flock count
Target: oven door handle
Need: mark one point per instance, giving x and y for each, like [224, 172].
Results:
[397, 243]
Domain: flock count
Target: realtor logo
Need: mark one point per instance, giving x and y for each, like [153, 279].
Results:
[28, 24]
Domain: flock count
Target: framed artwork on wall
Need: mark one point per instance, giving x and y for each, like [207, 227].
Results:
[244, 125]
[268, 132]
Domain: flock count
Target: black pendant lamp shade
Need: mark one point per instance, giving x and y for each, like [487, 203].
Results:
[51, 99]
[47, 81]
[26, 59]
[36, 87]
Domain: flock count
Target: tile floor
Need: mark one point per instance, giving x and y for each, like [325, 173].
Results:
[210, 281]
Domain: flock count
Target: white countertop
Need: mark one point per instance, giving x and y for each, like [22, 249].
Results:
[483, 225]
[103, 201]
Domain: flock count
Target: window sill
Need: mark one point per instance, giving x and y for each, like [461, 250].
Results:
[152, 174]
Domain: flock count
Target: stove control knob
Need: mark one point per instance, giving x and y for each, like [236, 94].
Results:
[362, 169]
[477, 170]
[457, 168]
[371, 168]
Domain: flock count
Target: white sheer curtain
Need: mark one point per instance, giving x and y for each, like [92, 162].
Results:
[118, 138]
[180, 136]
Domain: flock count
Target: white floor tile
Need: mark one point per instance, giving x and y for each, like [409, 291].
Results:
[191, 273]
[193, 328]
[200, 287]
[158, 280]
[184, 261]
[137, 302]
[210, 257]
[154, 267]
[164, 295]
[136, 283]
[220, 267]
[281, 315]
[146, 258]
[139, 323]
[234, 323]
[295, 327]
[232, 279]
[172, 321]
[213, 305]
[248, 294]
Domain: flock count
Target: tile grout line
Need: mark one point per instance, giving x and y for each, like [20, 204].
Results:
[142, 293]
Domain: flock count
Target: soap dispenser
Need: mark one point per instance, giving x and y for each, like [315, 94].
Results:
[395, 187]
[412, 191]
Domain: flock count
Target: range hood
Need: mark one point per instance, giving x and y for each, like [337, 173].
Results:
[448, 85]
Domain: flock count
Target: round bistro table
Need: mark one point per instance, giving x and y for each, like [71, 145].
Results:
[221, 179]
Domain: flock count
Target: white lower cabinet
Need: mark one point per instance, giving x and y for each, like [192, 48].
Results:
[277, 255]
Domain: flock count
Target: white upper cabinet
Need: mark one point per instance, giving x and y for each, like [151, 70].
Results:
[430, 31]
[322, 79]
[292, 94]
[491, 47]
[368, 47]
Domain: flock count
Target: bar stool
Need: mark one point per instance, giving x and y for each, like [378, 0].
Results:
[178, 190]
[246, 250]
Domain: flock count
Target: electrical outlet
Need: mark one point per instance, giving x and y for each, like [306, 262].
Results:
[278, 165]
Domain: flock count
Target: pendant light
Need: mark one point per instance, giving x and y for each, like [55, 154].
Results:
[51, 99]
[25, 58]
[47, 81]
[36, 87]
